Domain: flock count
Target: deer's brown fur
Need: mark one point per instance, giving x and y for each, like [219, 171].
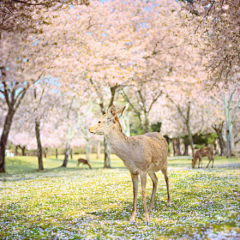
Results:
[81, 160]
[203, 152]
[142, 155]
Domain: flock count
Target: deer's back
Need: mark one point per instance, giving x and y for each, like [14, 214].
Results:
[159, 149]
[81, 160]
[149, 152]
[146, 152]
[207, 151]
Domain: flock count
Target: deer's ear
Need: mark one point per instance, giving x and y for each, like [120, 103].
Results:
[120, 112]
[111, 112]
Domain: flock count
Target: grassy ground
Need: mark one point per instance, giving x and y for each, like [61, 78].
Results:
[78, 203]
[22, 164]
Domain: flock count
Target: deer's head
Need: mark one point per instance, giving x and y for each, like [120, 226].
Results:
[107, 122]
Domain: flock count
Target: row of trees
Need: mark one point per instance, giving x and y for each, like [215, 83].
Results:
[156, 56]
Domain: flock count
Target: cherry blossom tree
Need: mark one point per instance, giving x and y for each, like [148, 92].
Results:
[218, 24]
[16, 15]
[141, 99]
[189, 101]
[18, 72]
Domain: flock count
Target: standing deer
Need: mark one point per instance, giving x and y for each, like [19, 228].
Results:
[83, 161]
[142, 155]
[203, 152]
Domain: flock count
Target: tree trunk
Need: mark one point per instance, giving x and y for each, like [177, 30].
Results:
[190, 138]
[45, 152]
[98, 150]
[227, 108]
[178, 147]
[56, 153]
[16, 150]
[222, 144]
[186, 148]
[71, 153]
[66, 154]
[23, 150]
[4, 138]
[229, 149]
[146, 123]
[107, 161]
[218, 129]
[39, 145]
[173, 147]
[87, 149]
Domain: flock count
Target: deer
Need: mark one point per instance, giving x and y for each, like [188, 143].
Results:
[203, 152]
[81, 160]
[142, 155]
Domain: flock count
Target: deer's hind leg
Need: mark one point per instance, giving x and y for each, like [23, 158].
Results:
[135, 192]
[212, 162]
[164, 171]
[210, 159]
[155, 182]
[143, 176]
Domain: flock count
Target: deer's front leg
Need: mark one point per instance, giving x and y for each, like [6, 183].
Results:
[209, 162]
[135, 192]
[143, 176]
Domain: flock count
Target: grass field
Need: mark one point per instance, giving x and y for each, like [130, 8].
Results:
[78, 203]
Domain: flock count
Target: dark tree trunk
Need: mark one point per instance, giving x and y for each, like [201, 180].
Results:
[23, 150]
[66, 155]
[186, 148]
[146, 125]
[107, 161]
[87, 149]
[98, 150]
[16, 150]
[229, 148]
[71, 153]
[178, 146]
[45, 152]
[56, 153]
[190, 139]
[4, 137]
[174, 148]
[39, 145]
[218, 129]
[222, 144]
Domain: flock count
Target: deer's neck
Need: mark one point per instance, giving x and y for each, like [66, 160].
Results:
[118, 142]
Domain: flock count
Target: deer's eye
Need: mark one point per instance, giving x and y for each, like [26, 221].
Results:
[99, 121]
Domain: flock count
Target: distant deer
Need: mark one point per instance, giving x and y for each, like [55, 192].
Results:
[81, 160]
[203, 152]
[142, 155]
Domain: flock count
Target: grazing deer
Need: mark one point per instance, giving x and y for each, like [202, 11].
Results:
[142, 155]
[81, 160]
[203, 152]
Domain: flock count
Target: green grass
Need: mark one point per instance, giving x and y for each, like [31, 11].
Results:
[27, 164]
[78, 203]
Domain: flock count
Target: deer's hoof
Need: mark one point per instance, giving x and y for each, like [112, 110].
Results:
[147, 223]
